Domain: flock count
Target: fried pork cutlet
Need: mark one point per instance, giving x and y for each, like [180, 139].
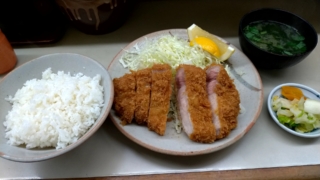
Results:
[143, 79]
[193, 104]
[220, 123]
[224, 99]
[124, 97]
[160, 98]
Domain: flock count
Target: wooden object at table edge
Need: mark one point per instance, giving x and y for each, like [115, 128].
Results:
[311, 172]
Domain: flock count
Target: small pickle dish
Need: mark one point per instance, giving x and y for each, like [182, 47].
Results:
[296, 116]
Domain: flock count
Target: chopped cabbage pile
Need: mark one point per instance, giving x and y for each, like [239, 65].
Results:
[293, 115]
[167, 49]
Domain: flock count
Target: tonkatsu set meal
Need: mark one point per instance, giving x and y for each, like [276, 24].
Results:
[172, 79]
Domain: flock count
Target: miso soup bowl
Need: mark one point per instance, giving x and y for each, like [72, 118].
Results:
[263, 59]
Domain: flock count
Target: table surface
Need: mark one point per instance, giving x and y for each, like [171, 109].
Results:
[266, 151]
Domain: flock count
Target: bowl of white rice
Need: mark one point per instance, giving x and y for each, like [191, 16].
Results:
[52, 104]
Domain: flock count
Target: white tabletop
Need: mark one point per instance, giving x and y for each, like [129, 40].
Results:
[110, 153]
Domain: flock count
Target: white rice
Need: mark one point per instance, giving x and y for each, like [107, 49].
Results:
[54, 111]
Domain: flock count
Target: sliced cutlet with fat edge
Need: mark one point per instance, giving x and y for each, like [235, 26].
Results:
[194, 108]
[224, 99]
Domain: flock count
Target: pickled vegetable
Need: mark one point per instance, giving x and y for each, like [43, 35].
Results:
[291, 93]
[296, 111]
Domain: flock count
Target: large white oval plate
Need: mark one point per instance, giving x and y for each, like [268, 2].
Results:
[251, 94]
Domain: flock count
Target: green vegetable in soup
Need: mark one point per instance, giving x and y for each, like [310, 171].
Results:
[275, 37]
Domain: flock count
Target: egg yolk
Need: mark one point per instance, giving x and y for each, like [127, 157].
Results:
[207, 45]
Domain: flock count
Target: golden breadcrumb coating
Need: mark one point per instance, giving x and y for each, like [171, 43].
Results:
[199, 105]
[125, 97]
[222, 125]
[160, 98]
[228, 98]
[143, 79]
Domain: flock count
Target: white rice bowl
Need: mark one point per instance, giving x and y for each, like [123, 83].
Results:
[53, 111]
[51, 105]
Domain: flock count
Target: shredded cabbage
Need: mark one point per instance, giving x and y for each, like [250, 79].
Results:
[292, 114]
[167, 49]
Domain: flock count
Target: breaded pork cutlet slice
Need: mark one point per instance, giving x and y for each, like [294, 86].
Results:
[160, 98]
[224, 99]
[193, 104]
[125, 97]
[143, 79]
[221, 124]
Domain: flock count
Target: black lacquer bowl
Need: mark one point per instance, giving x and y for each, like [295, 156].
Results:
[266, 60]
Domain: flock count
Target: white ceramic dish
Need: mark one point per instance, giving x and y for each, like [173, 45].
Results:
[251, 94]
[308, 92]
[73, 63]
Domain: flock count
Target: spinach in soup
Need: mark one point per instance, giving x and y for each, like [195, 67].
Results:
[275, 37]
